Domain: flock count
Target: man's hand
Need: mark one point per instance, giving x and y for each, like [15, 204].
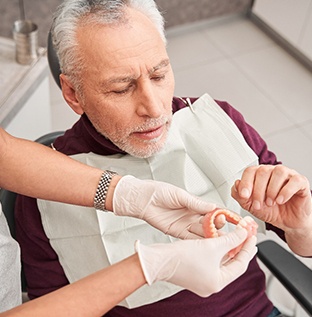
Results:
[198, 265]
[280, 196]
[166, 207]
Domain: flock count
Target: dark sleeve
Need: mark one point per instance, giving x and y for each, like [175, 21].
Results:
[251, 136]
[41, 266]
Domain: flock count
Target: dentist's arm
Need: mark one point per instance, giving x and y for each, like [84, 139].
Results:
[98, 293]
[35, 170]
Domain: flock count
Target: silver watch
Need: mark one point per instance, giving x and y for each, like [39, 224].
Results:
[101, 191]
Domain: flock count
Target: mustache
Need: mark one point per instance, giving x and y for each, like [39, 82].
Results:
[153, 123]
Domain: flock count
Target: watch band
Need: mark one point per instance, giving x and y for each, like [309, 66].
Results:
[101, 191]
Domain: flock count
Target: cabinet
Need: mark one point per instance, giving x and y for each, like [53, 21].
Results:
[291, 19]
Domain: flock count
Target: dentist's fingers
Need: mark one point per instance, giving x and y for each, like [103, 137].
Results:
[244, 256]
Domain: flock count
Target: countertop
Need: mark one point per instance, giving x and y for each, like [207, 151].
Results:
[17, 82]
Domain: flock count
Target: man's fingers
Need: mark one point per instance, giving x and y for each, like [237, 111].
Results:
[245, 185]
[268, 184]
[297, 183]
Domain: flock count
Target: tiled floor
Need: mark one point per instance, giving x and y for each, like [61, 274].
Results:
[232, 60]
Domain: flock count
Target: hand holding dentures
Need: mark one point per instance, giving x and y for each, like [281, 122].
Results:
[211, 231]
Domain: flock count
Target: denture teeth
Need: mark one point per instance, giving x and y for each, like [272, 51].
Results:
[243, 222]
[211, 231]
[248, 219]
[230, 216]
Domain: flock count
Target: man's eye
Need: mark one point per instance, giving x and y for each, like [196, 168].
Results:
[125, 90]
[158, 78]
[121, 92]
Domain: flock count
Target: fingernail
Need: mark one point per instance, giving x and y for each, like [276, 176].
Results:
[245, 193]
[280, 199]
[256, 205]
[269, 202]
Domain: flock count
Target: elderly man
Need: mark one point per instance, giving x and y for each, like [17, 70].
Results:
[116, 74]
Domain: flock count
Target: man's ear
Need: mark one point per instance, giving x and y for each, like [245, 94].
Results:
[70, 95]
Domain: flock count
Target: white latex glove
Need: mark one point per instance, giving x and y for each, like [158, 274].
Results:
[197, 265]
[164, 206]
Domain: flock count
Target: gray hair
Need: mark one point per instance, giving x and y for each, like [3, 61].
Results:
[72, 13]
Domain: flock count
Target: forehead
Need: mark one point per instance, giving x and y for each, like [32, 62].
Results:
[123, 47]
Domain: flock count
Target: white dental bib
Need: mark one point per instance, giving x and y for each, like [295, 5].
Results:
[204, 154]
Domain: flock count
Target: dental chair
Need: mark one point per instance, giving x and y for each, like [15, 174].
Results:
[293, 274]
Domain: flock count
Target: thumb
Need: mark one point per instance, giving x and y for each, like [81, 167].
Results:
[234, 238]
[239, 264]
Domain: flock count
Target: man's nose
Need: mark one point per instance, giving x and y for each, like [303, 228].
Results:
[149, 102]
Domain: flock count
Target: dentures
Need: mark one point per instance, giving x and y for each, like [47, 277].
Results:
[211, 231]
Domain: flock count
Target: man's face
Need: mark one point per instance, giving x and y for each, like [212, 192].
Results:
[127, 84]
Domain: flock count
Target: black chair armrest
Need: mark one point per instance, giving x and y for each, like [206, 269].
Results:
[291, 272]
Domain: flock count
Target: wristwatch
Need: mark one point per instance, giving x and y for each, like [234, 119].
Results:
[101, 191]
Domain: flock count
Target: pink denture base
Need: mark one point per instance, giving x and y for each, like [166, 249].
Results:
[211, 231]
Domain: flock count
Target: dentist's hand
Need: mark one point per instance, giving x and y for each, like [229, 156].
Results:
[166, 207]
[198, 265]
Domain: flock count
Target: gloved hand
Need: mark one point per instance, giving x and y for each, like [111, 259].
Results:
[164, 206]
[198, 265]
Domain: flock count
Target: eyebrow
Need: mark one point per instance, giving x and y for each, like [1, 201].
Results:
[162, 64]
[127, 79]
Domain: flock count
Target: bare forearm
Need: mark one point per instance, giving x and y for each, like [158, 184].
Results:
[91, 296]
[300, 245]
[35, 170]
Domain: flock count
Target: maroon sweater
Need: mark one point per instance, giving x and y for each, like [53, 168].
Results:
[244, 297]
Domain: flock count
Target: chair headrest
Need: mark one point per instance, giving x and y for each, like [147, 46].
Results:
[53, 61]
